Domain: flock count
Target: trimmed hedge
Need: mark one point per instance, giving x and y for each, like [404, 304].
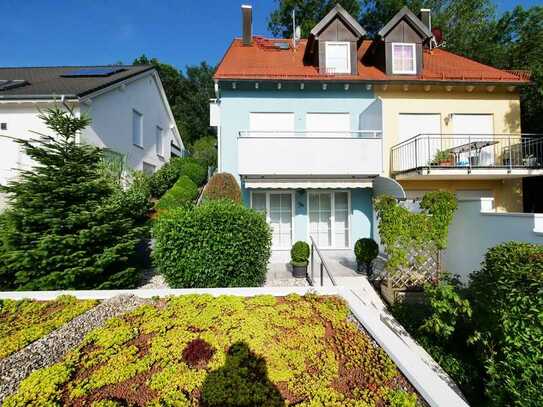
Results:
[162, 180]
[216, 244]
[193, 169]
[507, 300]
[222, 186]
[182, 193]
[167, 175]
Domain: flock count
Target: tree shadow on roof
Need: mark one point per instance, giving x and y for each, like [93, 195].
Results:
[242, 381]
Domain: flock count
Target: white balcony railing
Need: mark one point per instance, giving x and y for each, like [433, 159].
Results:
[310, 153]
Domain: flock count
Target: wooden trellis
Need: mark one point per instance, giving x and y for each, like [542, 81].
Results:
[424, 267]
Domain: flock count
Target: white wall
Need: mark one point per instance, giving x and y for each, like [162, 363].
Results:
[476, 227]
[111, 125]
[21, 118]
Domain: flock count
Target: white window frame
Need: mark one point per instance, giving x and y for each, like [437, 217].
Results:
[400, 71]
[348, 46]
[159, 135]
[139, 142]
[333, 217]
[268, 218]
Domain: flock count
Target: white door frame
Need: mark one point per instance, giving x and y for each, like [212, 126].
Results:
[333, 214]
[268, 218]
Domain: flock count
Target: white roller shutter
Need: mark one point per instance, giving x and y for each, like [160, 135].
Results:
[279, 124]
[420, 152]
[335, 124]
[473, 125]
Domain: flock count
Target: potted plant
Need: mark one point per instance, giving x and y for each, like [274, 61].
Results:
[442, 158]
[365, 250]
[299, 255]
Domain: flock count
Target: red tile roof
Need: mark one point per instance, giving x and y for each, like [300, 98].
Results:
[264, 60]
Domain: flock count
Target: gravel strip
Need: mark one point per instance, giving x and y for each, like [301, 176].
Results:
[51, 348]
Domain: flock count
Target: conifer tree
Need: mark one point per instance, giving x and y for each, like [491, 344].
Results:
[65, 227]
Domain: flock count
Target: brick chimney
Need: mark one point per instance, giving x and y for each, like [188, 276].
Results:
[247, 24]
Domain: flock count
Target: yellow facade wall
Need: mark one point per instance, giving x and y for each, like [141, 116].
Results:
[502, 104]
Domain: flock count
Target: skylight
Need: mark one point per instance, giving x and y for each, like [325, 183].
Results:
[92, 72]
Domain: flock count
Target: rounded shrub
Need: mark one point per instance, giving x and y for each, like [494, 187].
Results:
[366, 250]
[182, 193]
[299, 253]
[217, 244]
[166, 176]
[222, 186]
[192, 168]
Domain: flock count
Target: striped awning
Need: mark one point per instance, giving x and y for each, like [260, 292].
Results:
[292, 183]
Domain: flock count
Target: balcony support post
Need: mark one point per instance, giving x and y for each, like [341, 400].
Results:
[469, 154]
[510, 155]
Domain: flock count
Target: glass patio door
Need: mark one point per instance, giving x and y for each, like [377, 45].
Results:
[329, 218]
[278, 209]
[320, 218]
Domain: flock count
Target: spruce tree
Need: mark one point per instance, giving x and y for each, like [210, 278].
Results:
[65, 227]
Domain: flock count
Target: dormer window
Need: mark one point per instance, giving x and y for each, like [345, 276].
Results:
[404, 60]
[338, 58]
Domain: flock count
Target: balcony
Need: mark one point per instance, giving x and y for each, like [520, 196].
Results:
[468, 156]
[295, 153]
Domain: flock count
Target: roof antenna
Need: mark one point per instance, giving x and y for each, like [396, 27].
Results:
[296, 30]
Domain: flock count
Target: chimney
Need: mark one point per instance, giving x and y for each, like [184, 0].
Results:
[426, 17]
[247, 24]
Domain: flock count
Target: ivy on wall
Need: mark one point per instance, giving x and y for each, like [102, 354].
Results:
[403, 231]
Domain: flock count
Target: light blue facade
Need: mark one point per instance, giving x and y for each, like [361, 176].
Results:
[237, 104]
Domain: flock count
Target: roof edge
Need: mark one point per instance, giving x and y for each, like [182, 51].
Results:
[338, 10]
[406, 12]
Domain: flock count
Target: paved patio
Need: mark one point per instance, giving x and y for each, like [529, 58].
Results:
[341, 264]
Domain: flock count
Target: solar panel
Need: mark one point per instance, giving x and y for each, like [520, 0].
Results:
[91, 72]
[282, 45]
[6, 84]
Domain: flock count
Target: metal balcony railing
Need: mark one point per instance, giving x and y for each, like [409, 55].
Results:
[468, 151]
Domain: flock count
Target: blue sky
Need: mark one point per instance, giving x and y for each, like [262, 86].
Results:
[94, 32]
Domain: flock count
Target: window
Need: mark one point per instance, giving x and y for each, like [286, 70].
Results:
[338, 57]
[148, 169]
[137, 128]
[278, 208]
[329, 218]
[3, 126]
[404, 58]
[159, 141]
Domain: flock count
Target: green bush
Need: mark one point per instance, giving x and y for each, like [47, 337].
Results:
[442, 325]
[193, 169]
[136, 199]
[507, 298]
[222, 186]
[299, 253]
[165, 177]
[366, 250]
[216, 244]
[182, 193]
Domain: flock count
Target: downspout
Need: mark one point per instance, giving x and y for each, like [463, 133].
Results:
[219, 144]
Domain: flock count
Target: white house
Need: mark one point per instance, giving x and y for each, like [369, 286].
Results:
[127, 104]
